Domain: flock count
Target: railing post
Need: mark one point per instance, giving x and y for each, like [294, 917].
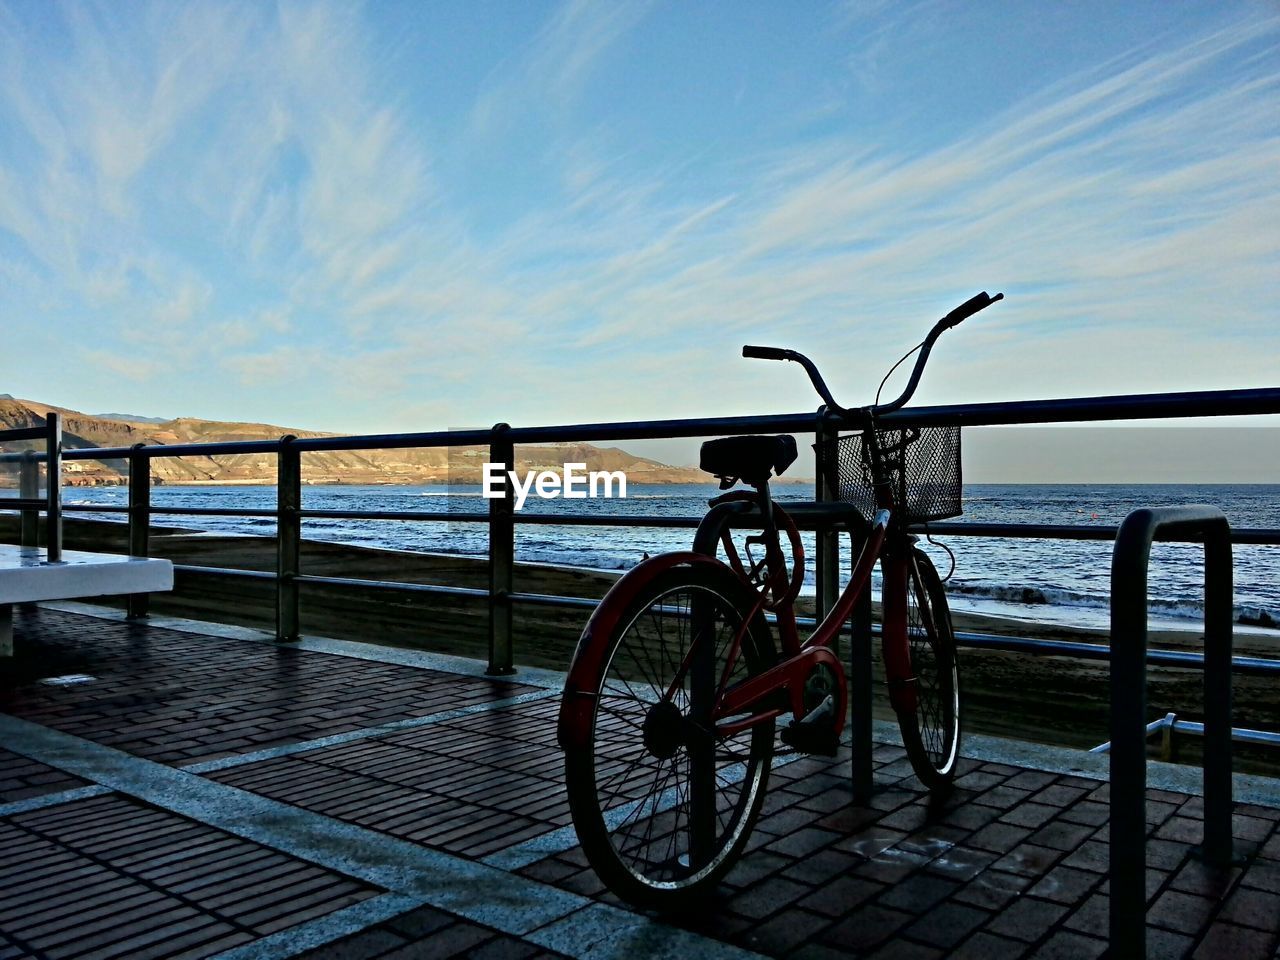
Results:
[288, 538]
[139, 522]
[1128, 826]
[53, 490]
[1218, 593]
[29, 489]
[502, 552]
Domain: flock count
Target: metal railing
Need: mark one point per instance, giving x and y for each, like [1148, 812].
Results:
[1129, 569]
[501, 440]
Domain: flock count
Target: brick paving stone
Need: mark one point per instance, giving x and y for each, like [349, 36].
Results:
[1250, 828]
[1028, 859]
[1263, 876]
[804, 842]
[1002, 797]
[1253, 908]
[988, 946]
[1091, 855]
[992, 889]
[1062, 835]
[866, 927]
[1031, 779]
[1179, 911]
[1087, 812]
[1181, 830]
[970, 816]
[785, 931]
[1091, 916]
[1030, 814]
[749, 870]
[457, 939]
[906, 950]
[838, 897]
[946, 925]
[919, 893]
[1166, 945]
[1237, 943]
[1065, 945]
[768, 897]
[978, 780]
[821, 867]
[961, 863]
[1064, 885]
[1198, 877]
[504, 948]
[1027, 919]
[999, 837]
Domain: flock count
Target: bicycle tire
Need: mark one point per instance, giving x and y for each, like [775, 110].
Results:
[931, 733]
[631, 788]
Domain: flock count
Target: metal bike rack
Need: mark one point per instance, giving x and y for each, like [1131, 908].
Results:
[1196, 524]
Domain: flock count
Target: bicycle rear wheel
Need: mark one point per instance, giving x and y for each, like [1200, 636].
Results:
[662, 805]
[931, 734]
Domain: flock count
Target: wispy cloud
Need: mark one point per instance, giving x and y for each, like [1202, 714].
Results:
[245, 195]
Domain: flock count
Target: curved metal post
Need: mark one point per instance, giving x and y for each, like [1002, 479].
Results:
[1129, 563]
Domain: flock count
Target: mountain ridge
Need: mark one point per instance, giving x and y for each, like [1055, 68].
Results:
[463, 464]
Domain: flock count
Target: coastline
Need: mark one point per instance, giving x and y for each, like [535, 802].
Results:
[1051, 699]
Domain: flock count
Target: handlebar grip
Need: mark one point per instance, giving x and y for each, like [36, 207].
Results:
[765, 353]
[969, 308]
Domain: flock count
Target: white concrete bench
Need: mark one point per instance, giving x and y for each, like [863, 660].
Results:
[28, 573]
[26, 576]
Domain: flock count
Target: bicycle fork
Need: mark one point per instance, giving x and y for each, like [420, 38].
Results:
[895, 641]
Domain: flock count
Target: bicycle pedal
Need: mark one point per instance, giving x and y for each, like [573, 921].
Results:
[815, 733]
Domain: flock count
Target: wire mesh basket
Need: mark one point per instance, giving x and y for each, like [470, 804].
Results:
[923, 465]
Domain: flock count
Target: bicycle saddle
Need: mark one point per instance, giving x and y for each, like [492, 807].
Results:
[747, 458]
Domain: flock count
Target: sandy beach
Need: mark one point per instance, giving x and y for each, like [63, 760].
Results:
[1044, 698]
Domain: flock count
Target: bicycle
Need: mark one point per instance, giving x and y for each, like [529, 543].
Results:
[669, 709]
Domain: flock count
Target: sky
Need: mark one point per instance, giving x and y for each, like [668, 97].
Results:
[419, 216]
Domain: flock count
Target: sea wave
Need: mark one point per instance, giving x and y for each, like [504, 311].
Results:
[1176, 609]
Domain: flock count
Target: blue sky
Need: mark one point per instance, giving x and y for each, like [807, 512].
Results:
[412, 216]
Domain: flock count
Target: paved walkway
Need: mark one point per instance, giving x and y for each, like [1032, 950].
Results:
[184, 790]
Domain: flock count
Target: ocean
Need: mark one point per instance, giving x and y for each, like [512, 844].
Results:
[1052, 581]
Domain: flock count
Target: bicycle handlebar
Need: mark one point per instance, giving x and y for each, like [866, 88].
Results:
[956, 316]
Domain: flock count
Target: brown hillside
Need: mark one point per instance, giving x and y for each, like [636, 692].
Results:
[432, 465]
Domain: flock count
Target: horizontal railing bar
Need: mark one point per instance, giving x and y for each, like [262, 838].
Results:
[23, 503]
[1242, 535]
[1150, 406]
[1242, 734]
[1209, 403]
[225, 571]
[478, 593]
[1264, 738]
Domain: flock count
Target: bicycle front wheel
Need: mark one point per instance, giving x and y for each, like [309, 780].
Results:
[931, 734]
[662, 803]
